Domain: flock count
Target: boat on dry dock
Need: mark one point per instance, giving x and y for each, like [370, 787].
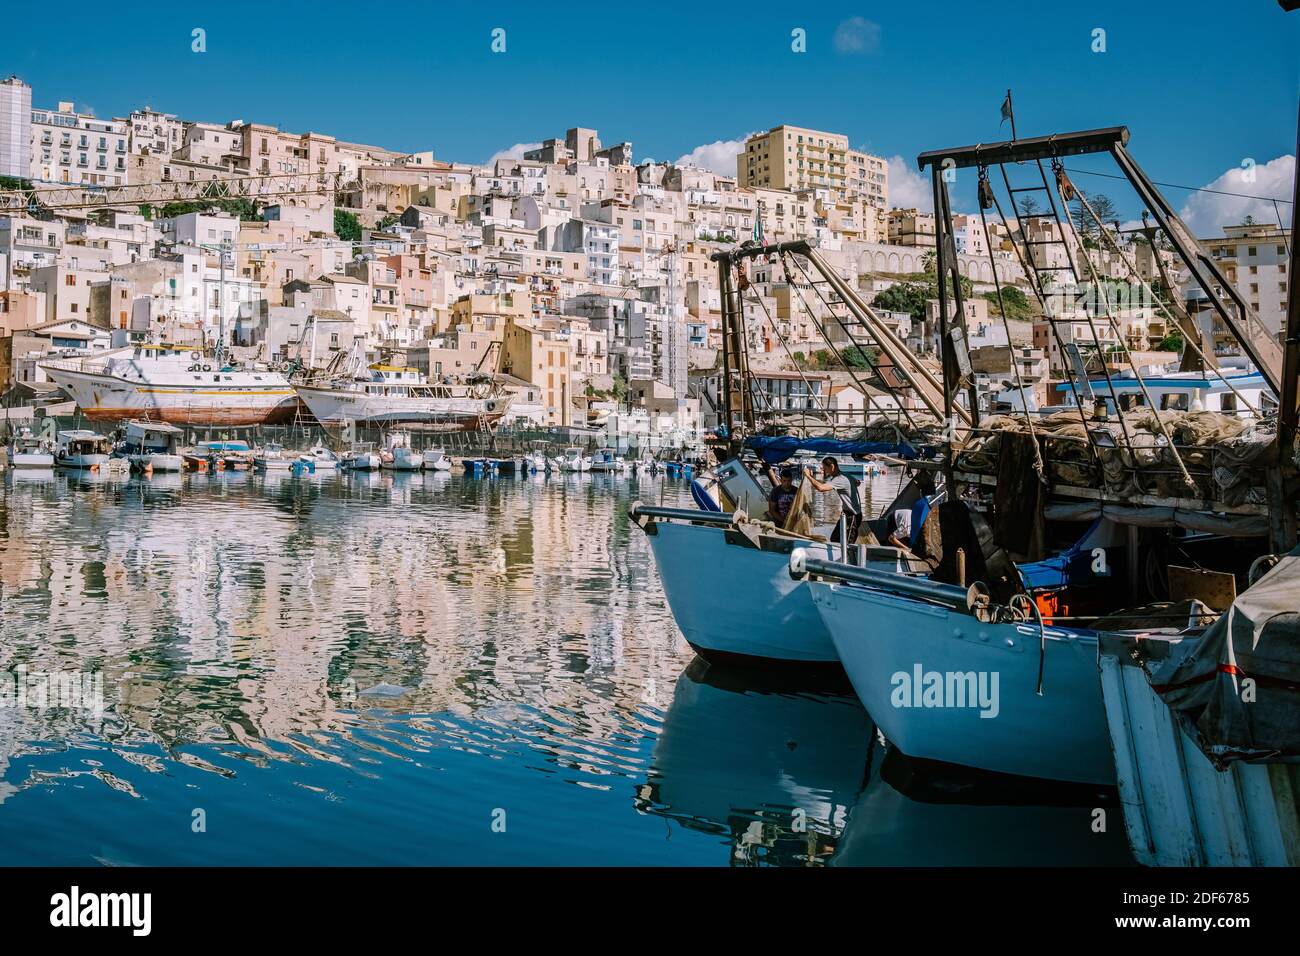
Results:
[172, 384]
[390, 395]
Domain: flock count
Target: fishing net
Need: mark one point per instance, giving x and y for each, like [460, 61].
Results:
[1224, 455]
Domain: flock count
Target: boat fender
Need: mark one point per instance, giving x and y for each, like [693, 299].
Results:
[196, 356]
[207, 368]
[491, 405]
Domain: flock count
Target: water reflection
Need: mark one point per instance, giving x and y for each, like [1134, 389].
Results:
[365, 668]
[772, 765]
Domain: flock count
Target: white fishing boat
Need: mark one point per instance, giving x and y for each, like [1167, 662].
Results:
[942, 685]
[398, 455]
[321, 458]
[273, 457]
[608, 461]
[172, 384]
[386, 395]
[725, 557]
[362, 457]
[152, 447]
[28, 450]
[435, 459]
[573, 460]
[82, 449]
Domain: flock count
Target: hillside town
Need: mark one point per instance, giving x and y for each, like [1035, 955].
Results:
[575, 273]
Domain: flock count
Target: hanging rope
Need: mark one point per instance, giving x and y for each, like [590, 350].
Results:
[986, 193]
[826, 410]
[1210, 365]
[1035, 284]
[1063, 182]
[785, 264]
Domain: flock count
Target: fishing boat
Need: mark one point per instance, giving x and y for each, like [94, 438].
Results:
[388, 395]
[435, 459]
[152, 447]
[398, 455]
[362, 457]
[943, 685]
[82, 449]
[171, 384]
[573, 460]
[717, 558]
[219, 455]
[273, 457]
[608, 461]
[322, 458]
[28, 450]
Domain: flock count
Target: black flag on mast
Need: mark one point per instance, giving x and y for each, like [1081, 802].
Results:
[1006, 108]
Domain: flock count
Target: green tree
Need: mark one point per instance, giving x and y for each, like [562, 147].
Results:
[857, 357]
[1084, 223]
[346, 226]
[1173, 342]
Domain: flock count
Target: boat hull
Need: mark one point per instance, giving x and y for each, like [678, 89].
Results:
[30, 460]
[108, 398]
[1060, 735]
[333, 406]
[81, 461]
[159, 462]
[739, 603]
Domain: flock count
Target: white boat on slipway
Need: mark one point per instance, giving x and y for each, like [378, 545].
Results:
[172, 384]
[389, 395]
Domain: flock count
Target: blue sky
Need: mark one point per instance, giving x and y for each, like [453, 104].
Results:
[669, 77]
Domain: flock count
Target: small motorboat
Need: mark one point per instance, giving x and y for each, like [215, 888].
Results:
[435, 459]
[152, 447]
[273, 457]
[82, 449]
[606, 460]
[322, 458]
[399, 455]
[574, 461]
[362, 457]
[28, 450]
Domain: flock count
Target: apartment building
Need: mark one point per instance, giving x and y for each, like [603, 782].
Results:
[1254, 258]
[160, 134]
[72, 147]
[796, 158]
[15, 128]
[26, 244]
[209, 144]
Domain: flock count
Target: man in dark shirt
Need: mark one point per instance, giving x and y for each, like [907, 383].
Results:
[781, 497]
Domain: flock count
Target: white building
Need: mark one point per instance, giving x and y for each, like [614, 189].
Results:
[71, 147]
[15, 128]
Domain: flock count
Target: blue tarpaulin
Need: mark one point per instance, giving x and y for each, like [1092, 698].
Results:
[776, 449]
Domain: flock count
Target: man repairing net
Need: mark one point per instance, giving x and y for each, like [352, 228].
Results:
[846, 488]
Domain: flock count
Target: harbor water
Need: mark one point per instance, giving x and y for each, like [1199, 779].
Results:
[432, 669]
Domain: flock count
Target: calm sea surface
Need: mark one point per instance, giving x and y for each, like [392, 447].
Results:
[430, 669]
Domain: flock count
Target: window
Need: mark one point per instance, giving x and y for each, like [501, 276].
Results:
[1177, 401]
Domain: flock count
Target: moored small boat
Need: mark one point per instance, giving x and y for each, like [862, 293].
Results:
[28, 450]
[81, 448]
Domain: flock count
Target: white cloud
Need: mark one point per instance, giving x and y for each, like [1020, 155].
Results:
[909, 189]
[857, 35]
[1207, 213]
[718, 156]
[514, 152]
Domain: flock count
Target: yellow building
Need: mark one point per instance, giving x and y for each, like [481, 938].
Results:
[541, 357]
[794, 158]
